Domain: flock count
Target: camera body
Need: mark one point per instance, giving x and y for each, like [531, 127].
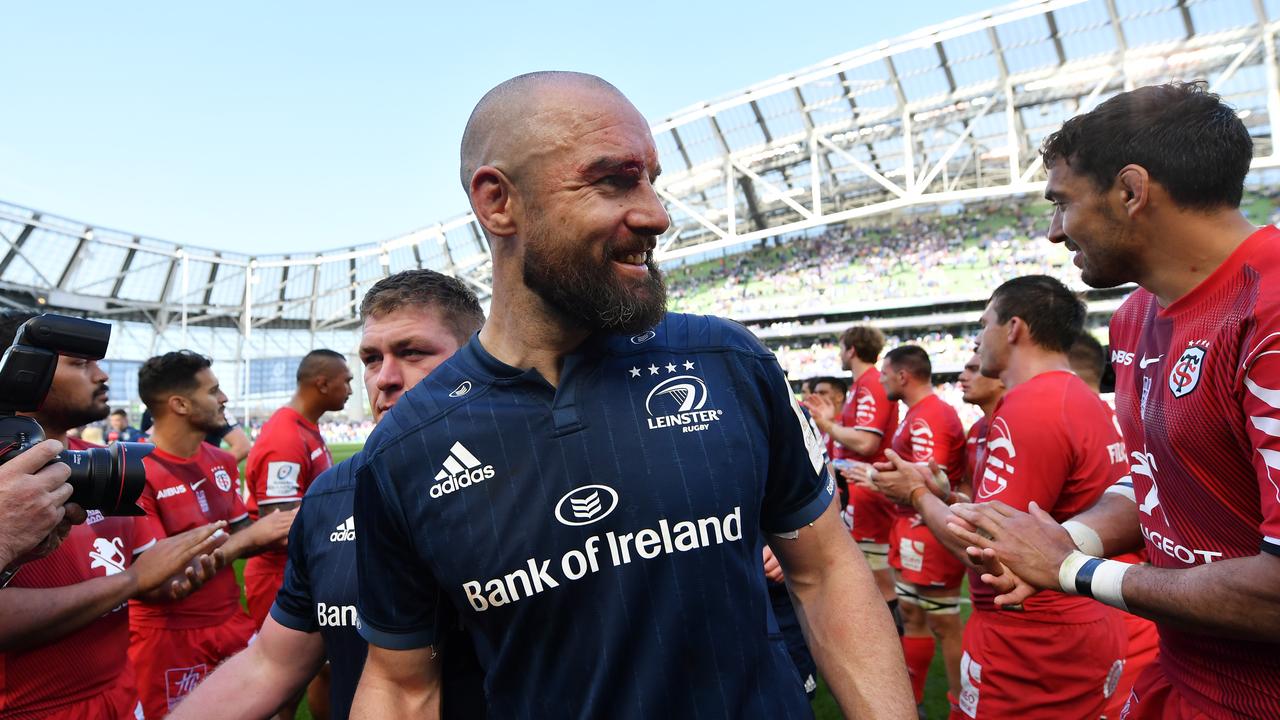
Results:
[107, 479]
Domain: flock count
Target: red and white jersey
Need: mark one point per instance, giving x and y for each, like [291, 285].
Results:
[287, 456]
[869, 409]
[181, 494]
[93, 658]
[1198, 395]
[1051, 440]
[931, 430]
[975, 449]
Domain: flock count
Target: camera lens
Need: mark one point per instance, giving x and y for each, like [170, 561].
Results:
[109, 479]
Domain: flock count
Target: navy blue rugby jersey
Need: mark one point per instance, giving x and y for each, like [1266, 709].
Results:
[319, 595]
[600, 540]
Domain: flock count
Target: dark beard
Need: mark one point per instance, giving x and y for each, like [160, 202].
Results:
[56, 417]
[589, 294]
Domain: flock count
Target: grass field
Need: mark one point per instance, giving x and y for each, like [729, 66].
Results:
[824, 706]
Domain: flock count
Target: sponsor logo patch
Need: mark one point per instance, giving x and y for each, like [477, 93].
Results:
[461, 469]
[282, 479]
[586, 505]
[346, 531]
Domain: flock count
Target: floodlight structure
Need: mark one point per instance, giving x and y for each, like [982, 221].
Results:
[951, 113]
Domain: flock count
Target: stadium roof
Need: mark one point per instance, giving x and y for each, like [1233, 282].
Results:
[952, 112]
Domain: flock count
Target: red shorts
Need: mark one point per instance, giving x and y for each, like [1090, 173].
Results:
[260, 590]
[169, 663]
[1144, 646]
[873, 516]
[1153, 698]
[920, 558]
[117, 702]
[1018, 668]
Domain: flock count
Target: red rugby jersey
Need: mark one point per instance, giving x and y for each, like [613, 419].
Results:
[1051, 440]
[93, 658]
[288, 455]
[181, 494]
[1198, 396]
[931, 430]
[869, 409]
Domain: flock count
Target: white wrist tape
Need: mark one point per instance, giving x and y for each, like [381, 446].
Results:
[1123, 486]
[1085, 537]
[1094, 577]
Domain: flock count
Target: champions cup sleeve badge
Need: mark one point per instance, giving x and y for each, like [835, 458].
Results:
[1185, 375]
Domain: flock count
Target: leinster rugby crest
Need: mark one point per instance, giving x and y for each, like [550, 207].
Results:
[1185, 375]
[677, 398]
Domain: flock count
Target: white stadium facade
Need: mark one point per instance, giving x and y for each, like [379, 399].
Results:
[950, 114]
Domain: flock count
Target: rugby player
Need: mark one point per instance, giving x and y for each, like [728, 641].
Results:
[1050, 444]
[413, 321]
[1147, 188]
[190, 483]
[586, 483]
[289, 455]
[927, 576]
[64, 621]
[862, 431]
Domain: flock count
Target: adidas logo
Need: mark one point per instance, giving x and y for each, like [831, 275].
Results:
[461, 469]
[346, 531]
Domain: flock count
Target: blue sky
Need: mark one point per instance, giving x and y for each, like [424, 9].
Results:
[269, 127]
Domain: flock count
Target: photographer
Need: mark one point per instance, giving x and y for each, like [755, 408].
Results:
[67, 609]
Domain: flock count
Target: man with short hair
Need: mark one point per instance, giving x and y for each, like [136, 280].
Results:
[1050, 444]
[1147, 189]
[190, 483]
[413, 321]
[641, 460]
[289, 455]
[64, 624]
[119, 430]
[927, 576]
[862, 431]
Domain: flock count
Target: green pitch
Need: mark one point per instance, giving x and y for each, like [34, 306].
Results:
[824, 706]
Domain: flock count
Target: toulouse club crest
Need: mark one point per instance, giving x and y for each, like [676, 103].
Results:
[1185, 375]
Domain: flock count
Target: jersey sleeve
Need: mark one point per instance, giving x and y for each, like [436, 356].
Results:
[398, 595]
[277, 472]
[1027, 458]
[798, 488]
[872, 411]
[141, 536]
[1261, 405]
[294, 607]
[150, 523]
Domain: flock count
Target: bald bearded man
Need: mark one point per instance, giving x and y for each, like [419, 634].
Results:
[640, 458]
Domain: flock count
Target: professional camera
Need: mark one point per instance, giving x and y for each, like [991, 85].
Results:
[107, 479]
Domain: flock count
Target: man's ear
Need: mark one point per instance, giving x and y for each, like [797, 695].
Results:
[178, 405]
[1133, 184]
[1017, 331]
[493, 200]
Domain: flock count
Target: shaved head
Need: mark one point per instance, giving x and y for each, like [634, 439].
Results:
[559, 168]
[516, 121]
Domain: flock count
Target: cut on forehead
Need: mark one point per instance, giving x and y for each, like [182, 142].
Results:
[504, 119]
